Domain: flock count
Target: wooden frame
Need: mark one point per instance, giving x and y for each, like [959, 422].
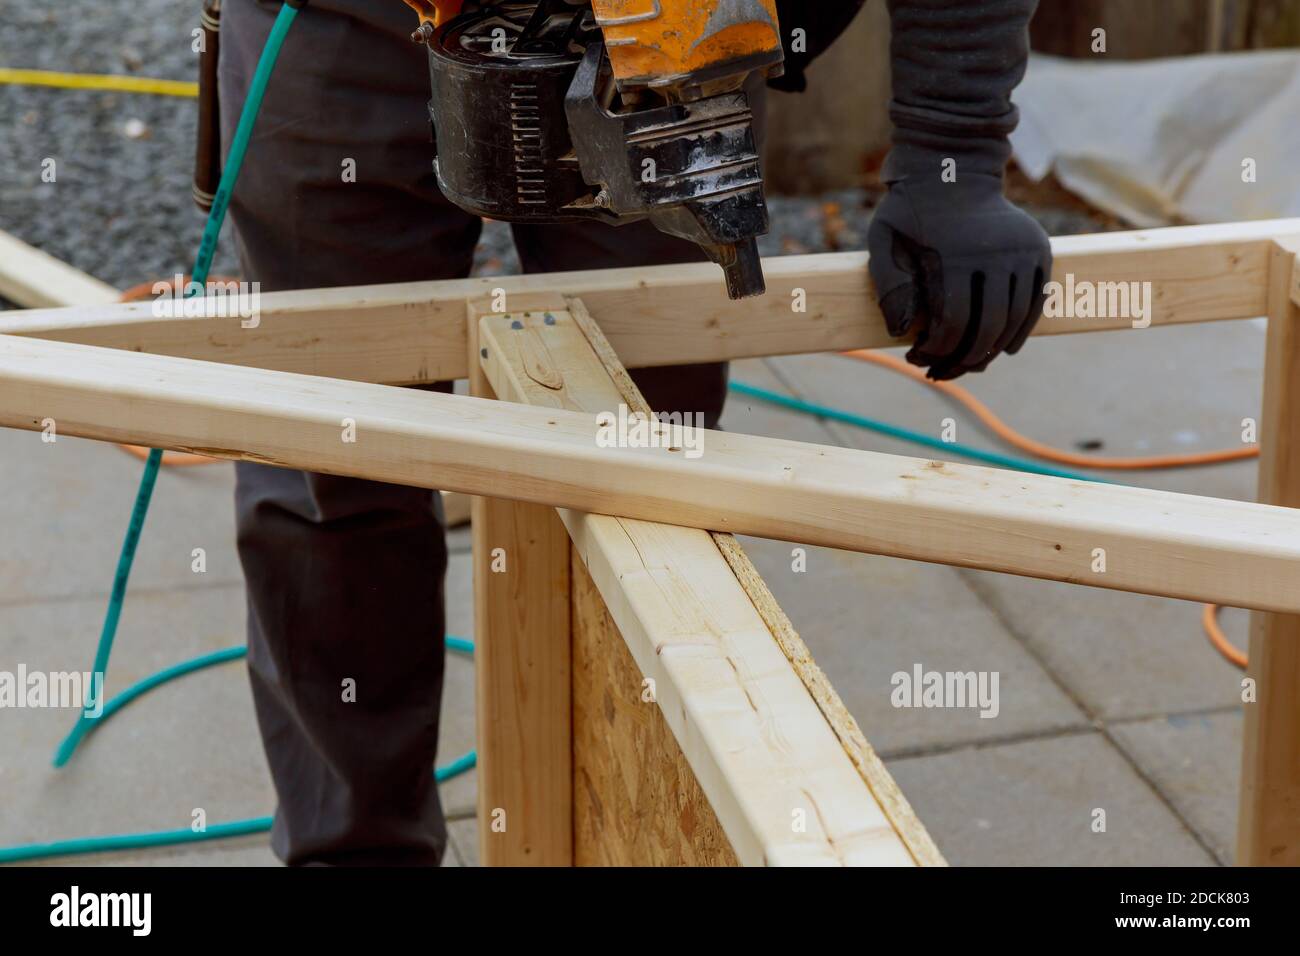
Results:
[1268, 821]
[664, 315]
[700, 648]
[577, 766]
[35, 279]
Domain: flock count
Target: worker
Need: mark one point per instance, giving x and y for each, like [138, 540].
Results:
[345, 576]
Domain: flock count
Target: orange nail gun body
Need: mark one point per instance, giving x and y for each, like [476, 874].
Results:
[616, 110]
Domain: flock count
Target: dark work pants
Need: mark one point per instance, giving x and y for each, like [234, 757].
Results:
[344, 576]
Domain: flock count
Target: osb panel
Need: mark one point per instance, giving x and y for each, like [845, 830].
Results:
[636, 801]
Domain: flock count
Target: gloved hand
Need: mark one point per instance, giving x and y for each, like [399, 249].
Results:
[950, 256]
[957, 261]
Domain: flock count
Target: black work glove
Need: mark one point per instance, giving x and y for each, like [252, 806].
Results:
[950, 256]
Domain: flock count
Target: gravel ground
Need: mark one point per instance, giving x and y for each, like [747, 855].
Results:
[120, 208]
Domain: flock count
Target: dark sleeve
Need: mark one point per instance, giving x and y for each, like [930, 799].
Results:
[955, 63]
[822, 22]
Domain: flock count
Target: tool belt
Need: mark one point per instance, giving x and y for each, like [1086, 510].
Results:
[207, 159]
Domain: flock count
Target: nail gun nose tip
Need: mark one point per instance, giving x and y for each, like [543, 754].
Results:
[743, 270]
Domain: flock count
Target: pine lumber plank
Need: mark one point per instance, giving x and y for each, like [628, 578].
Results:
[35, 279]
[776, 775]
[523, 678]
[868, 764]
[1268, 819]
[664, 315]
[1235, 553]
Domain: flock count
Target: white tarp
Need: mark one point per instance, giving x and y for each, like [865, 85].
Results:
[1157, 142]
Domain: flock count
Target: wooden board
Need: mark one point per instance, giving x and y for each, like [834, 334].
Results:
[664, 315]
[522, 680]
[1235, 553]
[869, 766]
[1268, 820]
[636, 801]
[35, 279]
[774, 772]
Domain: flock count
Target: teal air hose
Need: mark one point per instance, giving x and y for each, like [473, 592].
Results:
[124, 560]
[905, 434]
[239, 145]
[217, 831]
[140, 688]
[132, 841]
[199, 280]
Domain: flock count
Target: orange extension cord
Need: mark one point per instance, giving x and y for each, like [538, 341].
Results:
[1210, 615]
[1038, 449]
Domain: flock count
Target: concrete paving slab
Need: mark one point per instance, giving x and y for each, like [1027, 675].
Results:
[1032, 804]
[64, 531]
[156, 630]
[875, 393]
[1121, 655]
[1183, 389]
[1140, 392]
[459, 595]
[464, 837]
[187, 745]
[1194, 760]
[867, 618]
[749, 416]
[1134, 392]
[456, 730]
[241, 851]
[192, 743]
[459, 541]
